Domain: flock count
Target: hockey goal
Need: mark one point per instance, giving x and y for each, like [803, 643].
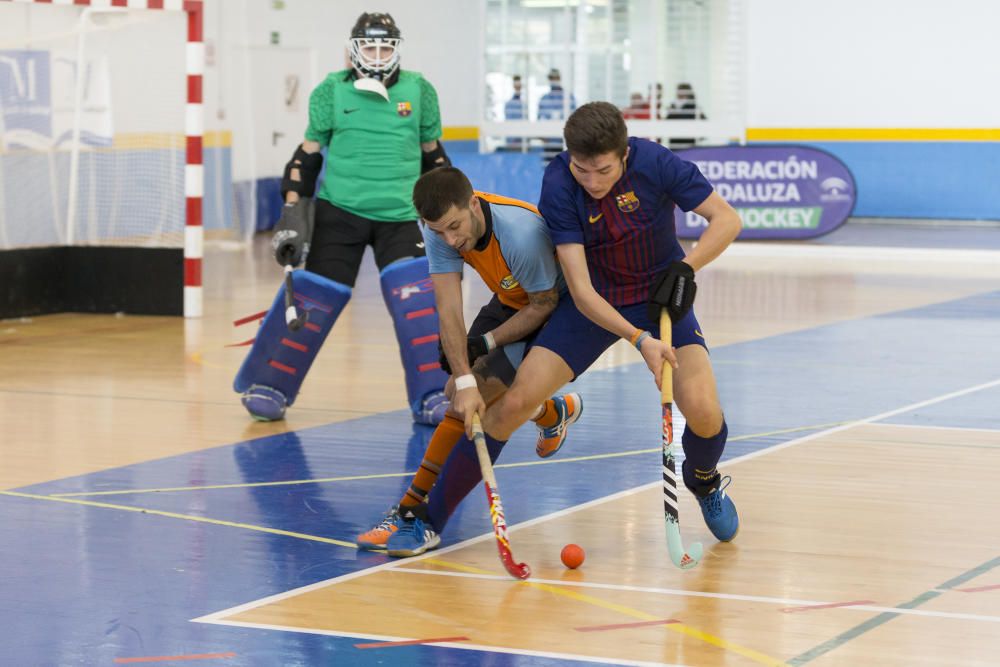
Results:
[101, 128]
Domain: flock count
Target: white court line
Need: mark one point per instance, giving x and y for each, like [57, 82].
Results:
[880, 253]
[788, 602]
[217, 617]
[943, 428]
[462, 645]
[867, 420]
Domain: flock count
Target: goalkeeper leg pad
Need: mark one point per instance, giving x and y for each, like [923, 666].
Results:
[409, 296]
[270, 377]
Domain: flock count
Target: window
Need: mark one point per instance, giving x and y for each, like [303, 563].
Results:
[632, 53]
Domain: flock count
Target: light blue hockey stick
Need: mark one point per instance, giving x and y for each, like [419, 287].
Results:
[681, 558]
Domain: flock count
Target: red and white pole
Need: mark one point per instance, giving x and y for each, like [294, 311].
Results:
[194, 127]
[194, 170]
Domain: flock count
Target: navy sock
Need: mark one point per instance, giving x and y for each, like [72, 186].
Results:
[701, 455]
[458, 477]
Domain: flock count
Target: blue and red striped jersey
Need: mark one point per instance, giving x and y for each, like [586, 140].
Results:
[628, 235]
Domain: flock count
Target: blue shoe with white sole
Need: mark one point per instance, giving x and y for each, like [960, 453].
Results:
[719, 510]
[413, 537]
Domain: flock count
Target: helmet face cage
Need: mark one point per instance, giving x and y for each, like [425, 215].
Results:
[375, 57]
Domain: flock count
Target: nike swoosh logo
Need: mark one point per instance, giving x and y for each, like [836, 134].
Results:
[420, 245]
[351, 110]
[699, 334]
[595, 218]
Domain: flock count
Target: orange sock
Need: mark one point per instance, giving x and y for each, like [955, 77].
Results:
[549, 416]
[445, 437]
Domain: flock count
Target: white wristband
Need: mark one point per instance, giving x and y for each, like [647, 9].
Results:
[490, 343]
[467, 381]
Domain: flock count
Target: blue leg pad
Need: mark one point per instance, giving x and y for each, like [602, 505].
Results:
[272, 373]
[409, 296]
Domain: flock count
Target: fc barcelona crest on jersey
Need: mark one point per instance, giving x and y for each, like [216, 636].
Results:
[404, 109]
[627, 202]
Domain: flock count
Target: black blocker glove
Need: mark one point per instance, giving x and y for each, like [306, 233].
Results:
[673, 289]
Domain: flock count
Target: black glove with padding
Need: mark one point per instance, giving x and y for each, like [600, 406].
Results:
[293, 232]
[673, 289]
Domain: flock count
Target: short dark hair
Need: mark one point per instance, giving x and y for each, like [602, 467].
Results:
[596, 128]
[438, 190]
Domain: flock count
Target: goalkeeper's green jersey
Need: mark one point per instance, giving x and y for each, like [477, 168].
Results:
[373, 146]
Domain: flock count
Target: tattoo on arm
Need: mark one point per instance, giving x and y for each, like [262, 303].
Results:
[547, 299]
[540, 306]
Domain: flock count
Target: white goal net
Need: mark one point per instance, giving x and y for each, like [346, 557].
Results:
[92, 130]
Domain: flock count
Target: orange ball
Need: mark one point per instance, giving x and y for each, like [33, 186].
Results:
[572, 556]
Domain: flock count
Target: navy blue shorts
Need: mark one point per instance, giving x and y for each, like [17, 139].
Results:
[503, 362]
[580, 342]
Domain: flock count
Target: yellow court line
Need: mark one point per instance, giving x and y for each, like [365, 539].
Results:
[246, 485]
[173, 515]
[628, 611]
[354, 478]
[682, 628]
[199, 359]
[471, 132]
[633, 452]
[872, 134]
[160, 141]
[675, 627]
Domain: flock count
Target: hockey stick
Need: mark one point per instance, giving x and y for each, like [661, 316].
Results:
[292, 319]
[682, 559]
[516, 570]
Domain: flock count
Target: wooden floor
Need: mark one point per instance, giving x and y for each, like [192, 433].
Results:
[808, 545]
[869, 532]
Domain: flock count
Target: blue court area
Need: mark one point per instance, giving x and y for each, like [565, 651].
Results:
[123, 575]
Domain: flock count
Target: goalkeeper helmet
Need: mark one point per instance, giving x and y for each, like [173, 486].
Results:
[374, 46]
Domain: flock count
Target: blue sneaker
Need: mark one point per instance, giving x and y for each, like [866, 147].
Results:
[264, 403]
[413, 538]
[432, 409]
[569, 407]
[719, 510]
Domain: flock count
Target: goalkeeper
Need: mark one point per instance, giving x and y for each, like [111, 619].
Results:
[380, 126]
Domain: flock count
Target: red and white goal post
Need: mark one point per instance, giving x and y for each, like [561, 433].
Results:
[108, 128]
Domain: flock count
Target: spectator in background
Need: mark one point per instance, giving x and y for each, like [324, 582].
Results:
[638, 108]
[684, 107]
[550, 107]
[515, 109]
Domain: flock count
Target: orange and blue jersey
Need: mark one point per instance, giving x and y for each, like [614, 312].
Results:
[514, 257]
[628, 235]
